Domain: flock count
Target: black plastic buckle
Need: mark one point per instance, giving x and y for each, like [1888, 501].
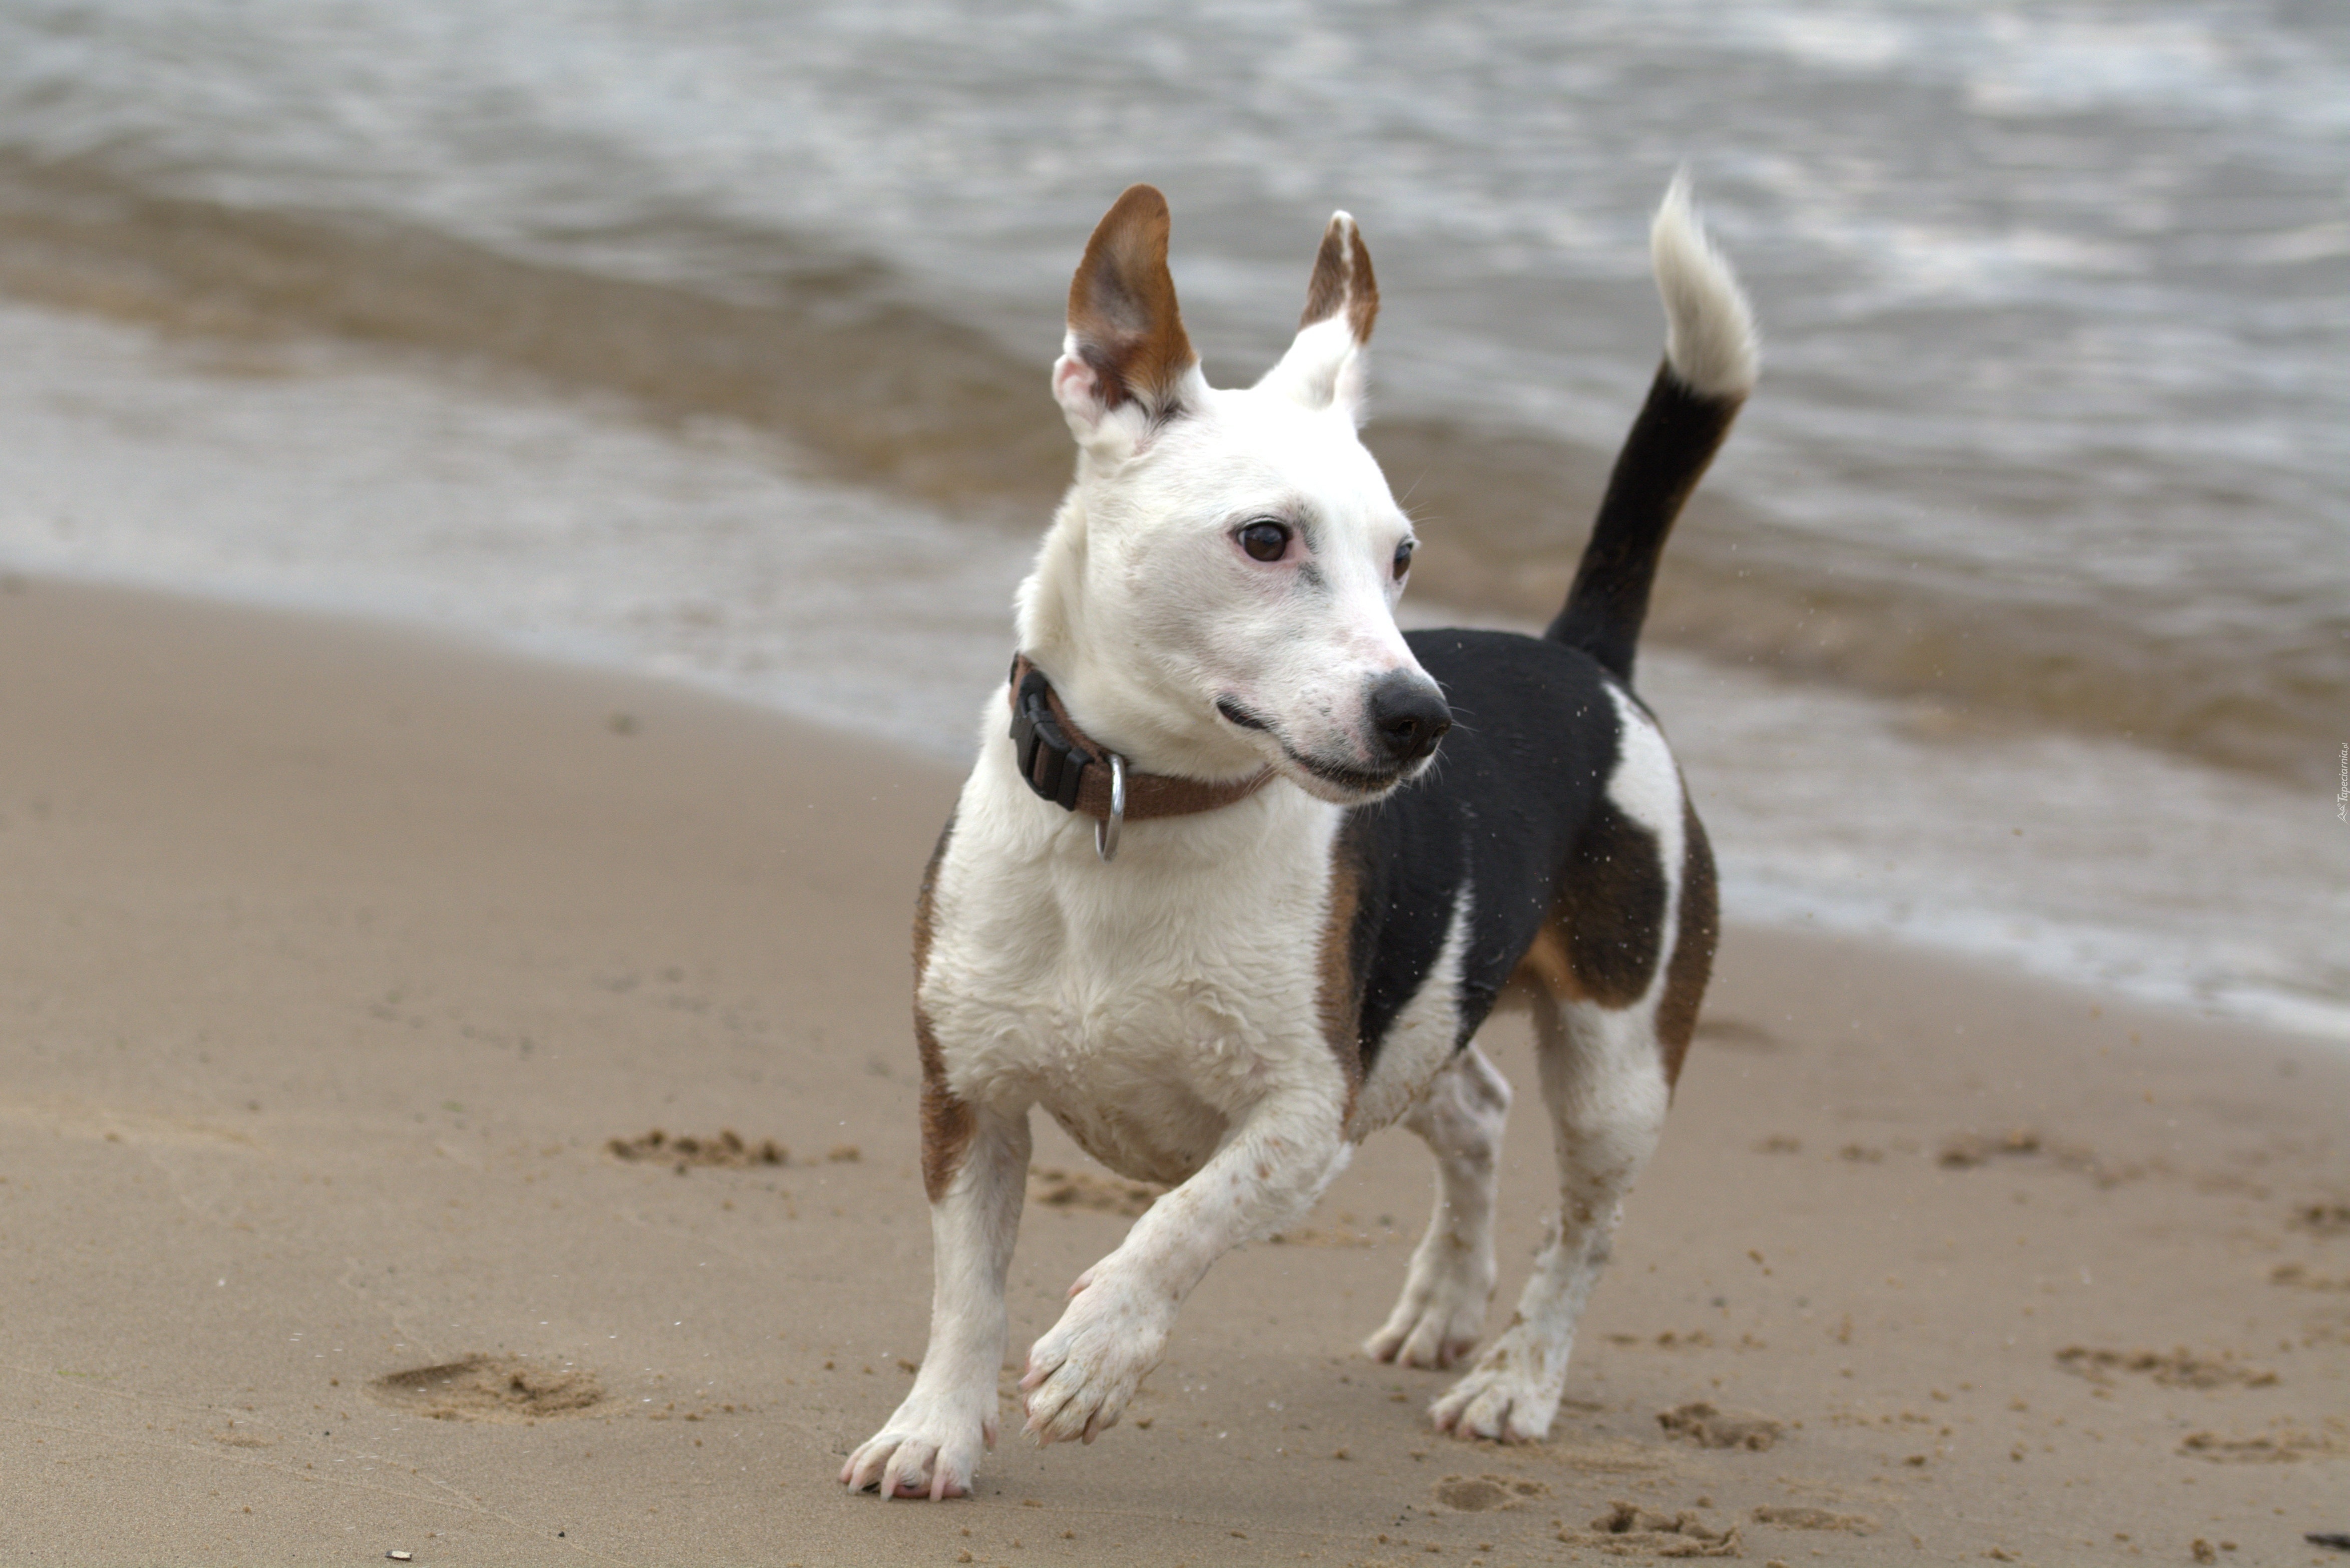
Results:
[1054, 766]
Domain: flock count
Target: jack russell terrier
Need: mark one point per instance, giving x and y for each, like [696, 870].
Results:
[1214, 899]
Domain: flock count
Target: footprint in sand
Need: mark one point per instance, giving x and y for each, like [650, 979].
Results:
[1477, 1494]
[1797, 1518]
[1628, 1530]
[1713, 1429]
[489, 1388]
[728, 1150]
[2287, 1442]
[1058, 1188]
[2180, 1368]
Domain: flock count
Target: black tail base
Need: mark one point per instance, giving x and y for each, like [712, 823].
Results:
[1672, 442]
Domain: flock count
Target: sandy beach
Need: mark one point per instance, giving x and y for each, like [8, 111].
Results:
[345, 976]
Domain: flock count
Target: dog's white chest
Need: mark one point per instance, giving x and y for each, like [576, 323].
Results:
[1145, 1003]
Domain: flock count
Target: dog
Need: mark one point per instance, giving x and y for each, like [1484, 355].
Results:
[1241, 867]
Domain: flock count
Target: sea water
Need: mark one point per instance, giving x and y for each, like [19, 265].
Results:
[711, 339]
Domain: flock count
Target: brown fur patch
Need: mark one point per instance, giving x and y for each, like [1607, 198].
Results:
[1546, 967]
[1610, 915]
[1342, 280]
[1693, 944]
[1337, 999]
[1122, 305]
[925, 899]
[947, 1122]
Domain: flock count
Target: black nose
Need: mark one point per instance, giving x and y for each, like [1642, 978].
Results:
[1410, 715]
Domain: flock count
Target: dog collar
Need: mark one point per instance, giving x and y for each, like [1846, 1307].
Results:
[1064, 765]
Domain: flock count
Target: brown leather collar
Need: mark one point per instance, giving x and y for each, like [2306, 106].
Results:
[1064, 765]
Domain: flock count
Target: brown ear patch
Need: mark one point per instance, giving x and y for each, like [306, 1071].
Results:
[1342, 280]
[1122, 307]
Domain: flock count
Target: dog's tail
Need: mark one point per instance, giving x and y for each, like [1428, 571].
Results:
[1711, 356]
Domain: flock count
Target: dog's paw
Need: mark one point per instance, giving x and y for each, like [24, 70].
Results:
[930, 1448]
[1438, 1317]
[1081, 1373]
[1510, 1396]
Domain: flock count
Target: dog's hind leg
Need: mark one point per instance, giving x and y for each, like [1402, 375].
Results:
[1603, 1075]
[1441, 1312]
[932, 1446]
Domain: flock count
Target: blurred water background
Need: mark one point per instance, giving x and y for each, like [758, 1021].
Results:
[711, 339]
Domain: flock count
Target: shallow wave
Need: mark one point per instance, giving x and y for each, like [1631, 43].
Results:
[819, 349]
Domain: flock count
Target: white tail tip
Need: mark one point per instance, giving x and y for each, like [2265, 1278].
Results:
[1709, 337]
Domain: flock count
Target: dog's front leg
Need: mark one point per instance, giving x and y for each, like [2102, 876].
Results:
[1270, 1170]
[932, 1444]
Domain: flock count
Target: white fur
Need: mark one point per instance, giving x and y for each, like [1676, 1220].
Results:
[1710, 336]
[1148, 1005]
[1161, 1009]
[1323, 369]
[931, 1444]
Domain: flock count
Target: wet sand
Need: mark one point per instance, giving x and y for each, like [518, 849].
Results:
[334, 959]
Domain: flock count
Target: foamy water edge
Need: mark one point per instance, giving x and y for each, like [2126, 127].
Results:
[299, 477]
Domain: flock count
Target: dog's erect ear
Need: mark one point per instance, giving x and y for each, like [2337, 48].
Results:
[1126, 364]
[1343, 284]
[1325, 365]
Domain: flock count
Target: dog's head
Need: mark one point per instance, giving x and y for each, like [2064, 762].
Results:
[1218, 592]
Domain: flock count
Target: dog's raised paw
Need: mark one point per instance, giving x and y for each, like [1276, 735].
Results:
[1083, 1371]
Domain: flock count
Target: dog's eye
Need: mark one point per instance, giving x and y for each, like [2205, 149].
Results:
[1403, 559]
[1266, 540]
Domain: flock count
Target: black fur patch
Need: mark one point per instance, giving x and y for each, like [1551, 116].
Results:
[1501, 813]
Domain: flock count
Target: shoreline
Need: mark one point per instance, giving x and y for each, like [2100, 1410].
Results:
[498, 514]
[1687, 688]
[334, 956]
